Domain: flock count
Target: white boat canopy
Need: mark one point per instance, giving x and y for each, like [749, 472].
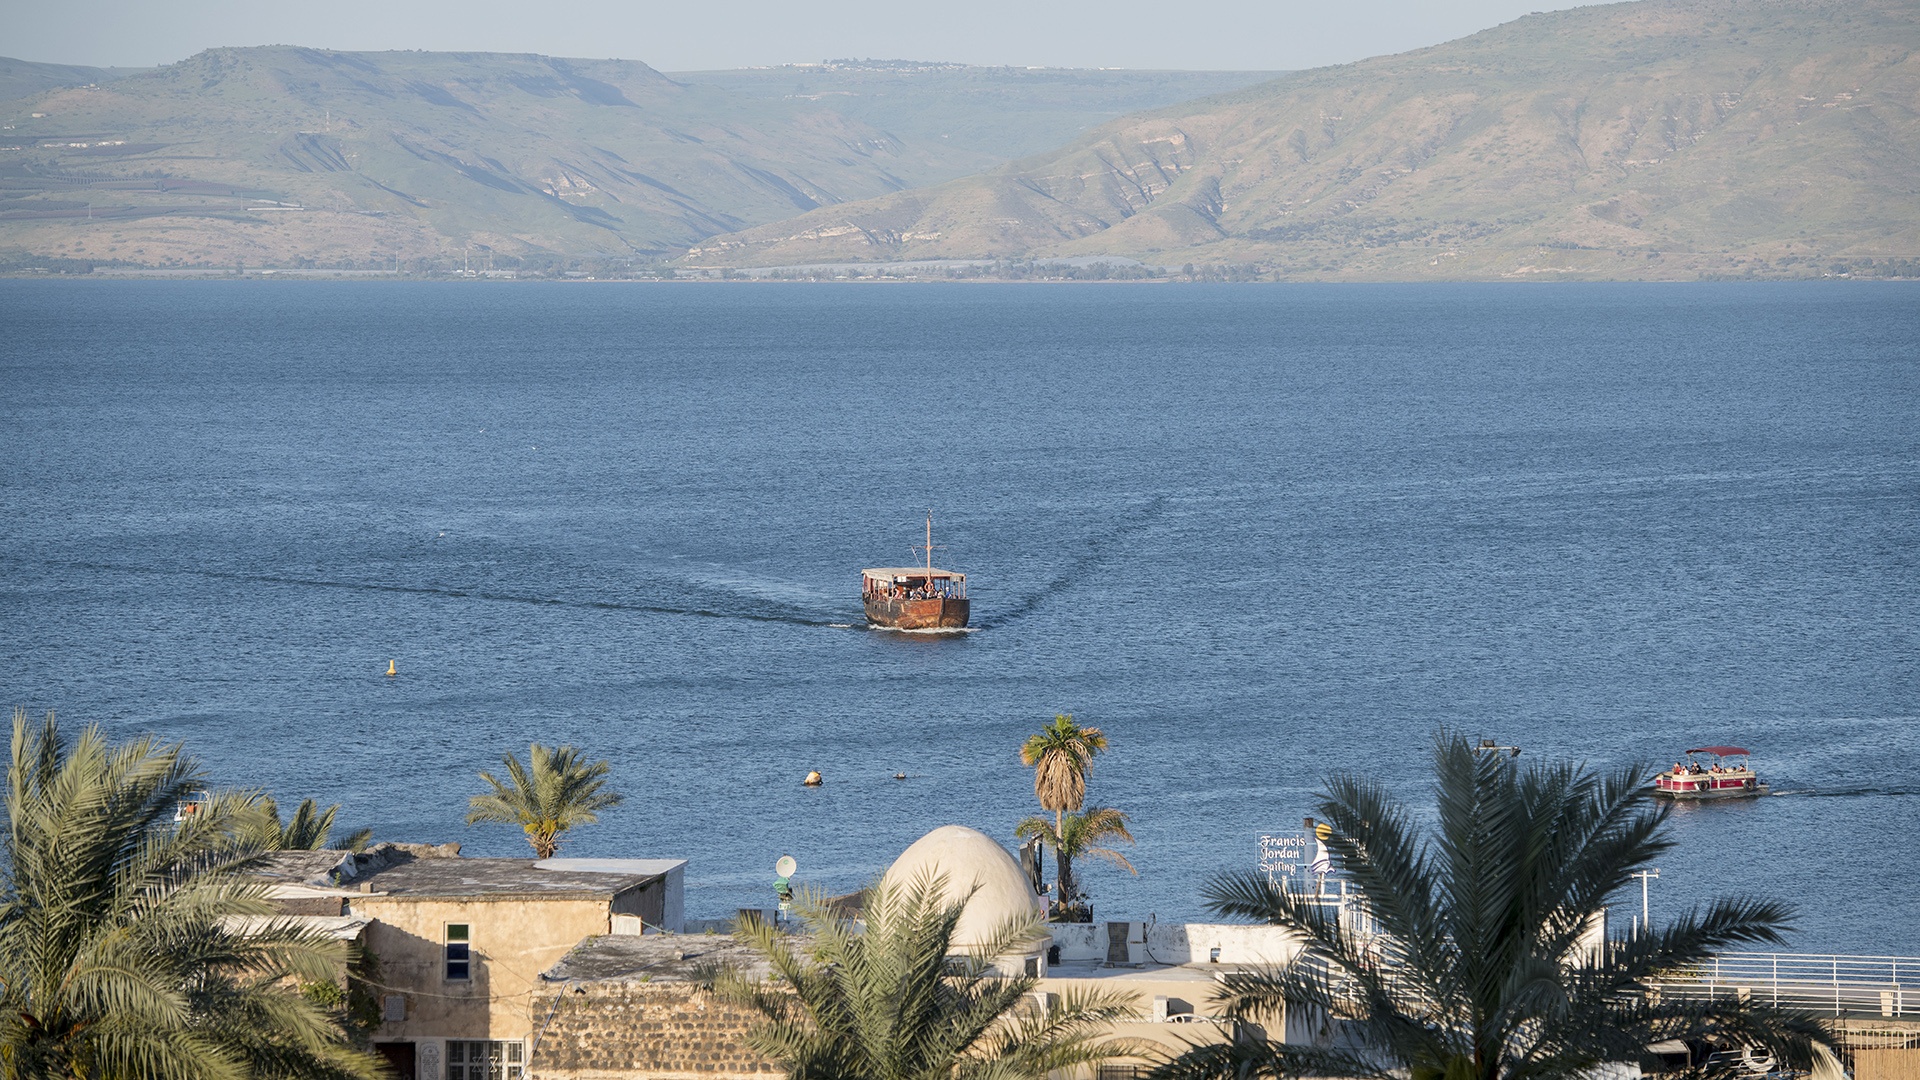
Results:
[905, 573]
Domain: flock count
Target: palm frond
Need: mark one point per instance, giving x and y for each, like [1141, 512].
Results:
[119, 953]
[896, 998]
[1061, 755]
[554, 792]
[1485, 968]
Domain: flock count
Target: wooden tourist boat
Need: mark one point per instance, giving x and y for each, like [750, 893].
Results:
[1726, 774]
[915, 597]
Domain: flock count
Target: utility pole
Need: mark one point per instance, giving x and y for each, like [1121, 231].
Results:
[1646, 920]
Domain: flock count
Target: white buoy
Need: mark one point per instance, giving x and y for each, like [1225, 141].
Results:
[813, 779]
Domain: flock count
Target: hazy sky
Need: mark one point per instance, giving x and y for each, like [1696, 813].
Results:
[691, 35]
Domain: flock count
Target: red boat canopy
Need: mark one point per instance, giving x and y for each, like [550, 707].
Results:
[1722, 751]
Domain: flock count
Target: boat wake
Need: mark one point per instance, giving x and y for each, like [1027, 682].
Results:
[1848, 793]
[931, 631]
[1098, 551]
[475, 594]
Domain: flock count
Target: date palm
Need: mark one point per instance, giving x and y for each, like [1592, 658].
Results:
[898, 1001]
[309, 829]
[132, 945]
[1080, 835]
[555, 791]
[1061, 755]
[1483, 969]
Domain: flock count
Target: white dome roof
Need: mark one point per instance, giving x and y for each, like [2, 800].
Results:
[972, 862]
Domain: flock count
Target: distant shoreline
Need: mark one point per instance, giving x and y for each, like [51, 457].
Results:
[388, 276]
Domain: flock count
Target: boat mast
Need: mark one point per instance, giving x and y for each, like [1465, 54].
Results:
[929, 546]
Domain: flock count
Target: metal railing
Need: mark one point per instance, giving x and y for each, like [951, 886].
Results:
[1886, 986]
[1822, 983]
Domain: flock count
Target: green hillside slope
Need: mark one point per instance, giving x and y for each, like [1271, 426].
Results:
[413, 154]
[1649, 139]
[24, 78]
[289, 156]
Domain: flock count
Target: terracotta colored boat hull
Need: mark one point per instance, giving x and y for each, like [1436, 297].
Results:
[932, 614]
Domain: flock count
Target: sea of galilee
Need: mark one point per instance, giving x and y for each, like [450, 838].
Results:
[1258, 534]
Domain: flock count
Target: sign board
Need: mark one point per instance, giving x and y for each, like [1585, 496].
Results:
[1285, 853]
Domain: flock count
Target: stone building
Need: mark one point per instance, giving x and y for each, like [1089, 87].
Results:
[460, 944]
[625, 1008]
[619, 1007]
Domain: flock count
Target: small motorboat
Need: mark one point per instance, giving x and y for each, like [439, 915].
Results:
[1711, 772]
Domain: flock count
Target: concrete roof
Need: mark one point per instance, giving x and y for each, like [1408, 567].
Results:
[399, 871]
[308, 868]
[649, 867]
[338, 927]
[655, 958]
[426, 878]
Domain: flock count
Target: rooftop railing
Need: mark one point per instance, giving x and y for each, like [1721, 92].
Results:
[1886, 986]
[1859, 987]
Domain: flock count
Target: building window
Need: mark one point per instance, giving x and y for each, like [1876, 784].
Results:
[480, 1059]
[1116, 1072]
[459, 952]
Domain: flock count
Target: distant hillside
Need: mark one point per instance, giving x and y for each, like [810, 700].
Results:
[24, 78]
[290, 156]
[991, 115]
[1650, 139]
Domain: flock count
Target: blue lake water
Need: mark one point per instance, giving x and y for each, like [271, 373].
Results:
[1256, 533]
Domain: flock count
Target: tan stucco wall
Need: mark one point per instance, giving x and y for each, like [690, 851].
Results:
[513, 941]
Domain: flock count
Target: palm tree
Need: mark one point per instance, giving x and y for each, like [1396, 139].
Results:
[558, 791]
[1484, 970]
[310, 828]
[1061, 756]
[1080, 834]
[899, 1002]
[134, 946]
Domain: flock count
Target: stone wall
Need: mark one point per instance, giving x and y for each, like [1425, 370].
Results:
[617, 1031]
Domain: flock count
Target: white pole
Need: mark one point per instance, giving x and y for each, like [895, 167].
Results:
[1646, 913]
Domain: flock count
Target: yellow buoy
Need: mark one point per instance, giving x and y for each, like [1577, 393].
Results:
[391, 670]
[813, 779]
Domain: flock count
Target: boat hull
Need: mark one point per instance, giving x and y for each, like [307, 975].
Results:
[935, 613]
[1704, 794]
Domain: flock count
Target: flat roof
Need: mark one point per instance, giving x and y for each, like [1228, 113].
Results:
[337, 927]
[893, 572]
[1141, 971]
[306, 868]
[387, 871]
[495, 877]
[656, 958]
[681, 958]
